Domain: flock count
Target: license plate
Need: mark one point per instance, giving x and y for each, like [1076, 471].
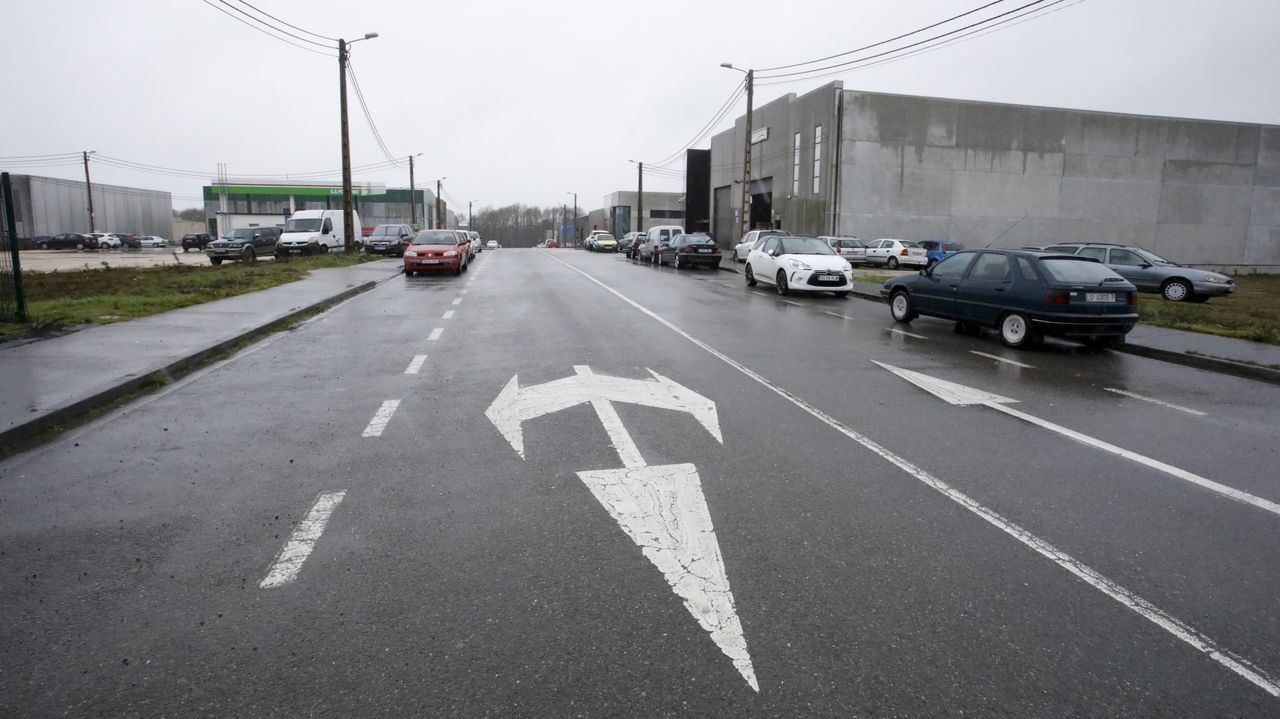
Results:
[1099, 297]
[829, 279]
[295, 252]
[706, 249]
[428, 262]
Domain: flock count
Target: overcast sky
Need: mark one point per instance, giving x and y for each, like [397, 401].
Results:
[527, 101]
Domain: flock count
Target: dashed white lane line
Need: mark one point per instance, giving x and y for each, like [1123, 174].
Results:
[457, 300]
[1122, 595]
[435, 334]
[381, 418]
[462, 291]
[1002, 359]
[302, 541]
[1160, 402]
[837, 314]
[448, 315]
[905, 333]
[793, 304]
[416, 365]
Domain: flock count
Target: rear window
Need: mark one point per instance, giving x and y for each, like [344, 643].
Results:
[1065, 269]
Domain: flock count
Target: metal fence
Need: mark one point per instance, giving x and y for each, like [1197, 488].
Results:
[13, 304]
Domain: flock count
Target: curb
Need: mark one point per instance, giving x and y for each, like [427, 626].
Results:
[168, 372]
[1204, 362]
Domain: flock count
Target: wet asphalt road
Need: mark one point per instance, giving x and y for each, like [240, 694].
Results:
[888, 553]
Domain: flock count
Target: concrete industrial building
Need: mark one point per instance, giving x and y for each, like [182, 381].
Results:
[51, 206]
[660, 208]
[836, 161]
[376, 204]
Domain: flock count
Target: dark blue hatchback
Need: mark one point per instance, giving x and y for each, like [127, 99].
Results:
[1024, 295]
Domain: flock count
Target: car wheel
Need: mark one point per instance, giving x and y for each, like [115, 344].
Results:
[900, 307]
[751, 277]
[841, 294]
[677, 262]
[1176, 290]
[249, 255]
[1015, 330]
[215, 260]
[79, 245]
[43, 246]
[892, 263]
[780, 283]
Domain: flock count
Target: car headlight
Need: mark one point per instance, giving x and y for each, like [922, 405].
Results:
[1220, 279]
[847, 267]
[451, 253]
[313, 241]
[408, 253]
[798, 265]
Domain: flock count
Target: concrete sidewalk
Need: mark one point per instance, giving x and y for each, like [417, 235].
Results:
[1242, 358]
[57, 380]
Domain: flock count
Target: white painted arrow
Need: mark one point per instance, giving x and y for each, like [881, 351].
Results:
[959, 394]
[661, 508]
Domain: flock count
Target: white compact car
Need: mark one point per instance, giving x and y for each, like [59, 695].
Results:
[893, 253]
[799, 264]
[153, 241]
[107, 241]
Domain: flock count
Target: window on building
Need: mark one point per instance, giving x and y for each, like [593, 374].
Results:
[795, 167]
[817, 159]
[667, 214]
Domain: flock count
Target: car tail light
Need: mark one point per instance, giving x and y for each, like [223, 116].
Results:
[1057, 297]
[1133, 299]
[904, 252]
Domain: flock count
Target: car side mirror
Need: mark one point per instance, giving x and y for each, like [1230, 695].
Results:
[1146, 265]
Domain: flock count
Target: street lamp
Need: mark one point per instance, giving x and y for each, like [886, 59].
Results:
[639, 196]
[413, 196]
[348, 223]
[575, 216]
[746, 152]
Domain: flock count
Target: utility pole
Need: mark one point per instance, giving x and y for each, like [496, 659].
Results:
[575, 216]
[439, 213]
[413, 199]
[563, 211]
[88, 188]
[469, 215]
[640, 199]
[746, 157]
[348, 222]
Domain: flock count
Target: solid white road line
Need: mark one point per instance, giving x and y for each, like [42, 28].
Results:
[416, 365]
[457, 300]
[837, 314]
[1160, 402]
[381, 418]
[448, 315]
[1142, 607]
[897, 331]
[998, 358]
[302, 541]
[435, 334]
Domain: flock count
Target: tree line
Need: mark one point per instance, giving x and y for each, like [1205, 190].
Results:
[518, 225]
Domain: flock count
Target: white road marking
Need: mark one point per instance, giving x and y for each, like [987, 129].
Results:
[789, 302]
[897, 331]
[998, 358]
[961, 395]
[448, 315]
[837, 314]
[462, 291]
[435, 334]
[1159, 402]
[628, 452]
[295, 551]
[457, 300]
[1140, 606]
[416, 365]
[381, 418]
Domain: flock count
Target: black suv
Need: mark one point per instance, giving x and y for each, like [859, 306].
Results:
[196, 239]
[244, 243]
[389, 240]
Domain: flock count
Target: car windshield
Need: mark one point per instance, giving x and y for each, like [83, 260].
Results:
[1152, 257]
[243, 233]
[436, 238]
[805, 246]
[308, 224]
[604, 238]
[1078, 270]
[386, 231]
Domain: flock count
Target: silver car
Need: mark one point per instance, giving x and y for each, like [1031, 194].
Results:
[848, 247]
[1150, 272]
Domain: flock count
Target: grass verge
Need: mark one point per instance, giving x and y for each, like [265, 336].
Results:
[56, 300]
[1252, 312]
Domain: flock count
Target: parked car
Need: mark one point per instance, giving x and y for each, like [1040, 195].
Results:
[438, 251]
[128, 239]
[939, 250]
[799, 264]
[389, 240]
[750, 240]
[663, 234]
[195, 239]
[244, 243]
[590, 242]
[850, 248]
[153, 241]
[633, 250]
[551, 244]
[894, 253]
[317, 232]
[691, 251]
[625, 242]
[107, 241]
[603, 242]
[492, 245]
[477, 244]
[1150, 272]
[1022, 294]
[646, 251]
[68, 241]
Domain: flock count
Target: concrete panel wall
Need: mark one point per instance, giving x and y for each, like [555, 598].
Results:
[59, 206]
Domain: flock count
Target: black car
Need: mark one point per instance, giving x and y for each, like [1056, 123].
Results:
[244, 243]
[1024, 295]
[389, 240]
[128, 239]
[195, 239]
[67, 241]
[689, 251]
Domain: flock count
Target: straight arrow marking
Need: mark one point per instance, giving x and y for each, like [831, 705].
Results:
[628, 452]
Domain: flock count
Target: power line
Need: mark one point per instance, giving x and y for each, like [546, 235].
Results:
[709, 126]
[197, 174]
[38, 157]
[282, 22]
[367, 115]
[882, 42]
[817, 70]
[273, 27]
[264, 32]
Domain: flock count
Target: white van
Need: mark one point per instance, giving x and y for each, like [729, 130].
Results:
[661, 236]
[316, 232]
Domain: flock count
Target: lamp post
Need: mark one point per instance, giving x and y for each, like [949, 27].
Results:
[413, 196]
[575, 217]
[440, 224]
[348, 223]
[746, 152]
[639, 196]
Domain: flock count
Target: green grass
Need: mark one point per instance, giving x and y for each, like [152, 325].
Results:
[60, 299]
[1252, 312]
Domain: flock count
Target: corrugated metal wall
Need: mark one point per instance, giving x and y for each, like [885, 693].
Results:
[58, 206]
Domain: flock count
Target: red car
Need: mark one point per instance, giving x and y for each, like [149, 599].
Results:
[437, 251]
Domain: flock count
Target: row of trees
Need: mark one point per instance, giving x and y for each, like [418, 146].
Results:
[518, 225]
